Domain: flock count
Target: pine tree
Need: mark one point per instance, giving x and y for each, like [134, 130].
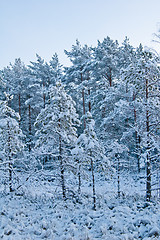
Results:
[14, 76]
[104, 68]
[105, 60]
[55, 70]
[2, 85]
[41, 70]
[88, 150]
[126, 54]
[46, 73]
[79, 74]
[143, 80]
[33, 104]
[11, 137]
[56, 131]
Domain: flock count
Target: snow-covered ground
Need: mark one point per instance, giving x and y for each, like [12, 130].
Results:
[37, 211]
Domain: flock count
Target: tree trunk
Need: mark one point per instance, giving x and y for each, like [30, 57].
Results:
[118, 174]
[93, 185]
[89, 93]
[9, 158]
[79, 178]
[137, 151]
[110, 77]
[10, 175]
[136, 137]
[60, 158]
[83, 99]
[148, 163]
[148, 160]
[44, 97]
[89, 104]
[19, 105]
[29, 127]
[62, 169]
[44, 100]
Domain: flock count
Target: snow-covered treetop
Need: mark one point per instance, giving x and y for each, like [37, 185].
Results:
[5, 110]
[10, 133]
[58, 119]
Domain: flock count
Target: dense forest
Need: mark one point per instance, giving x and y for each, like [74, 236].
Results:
[83, 136]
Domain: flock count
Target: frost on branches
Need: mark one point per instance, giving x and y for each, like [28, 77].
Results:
[56, 129]
[89, 152]
[11, 138]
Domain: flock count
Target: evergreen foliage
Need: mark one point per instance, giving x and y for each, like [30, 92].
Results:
[11, 138]
[116, 85]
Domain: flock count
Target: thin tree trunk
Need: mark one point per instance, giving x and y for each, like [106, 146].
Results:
[118, 179]
[44, 97]
[61, 164]
[148, 163]
[89, 104]
[9, 157]
[118, 174]
[62, 169]
[136, 137]
[83, 99]
[79, 178]
[89, 93]
[19, 105]
[44, 100]
[93, 185]
[110, 77]
[137, 151]
[10, 175]
[148, 167]
[29, 127]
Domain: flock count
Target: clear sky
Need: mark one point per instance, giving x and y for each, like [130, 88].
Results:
[28, 27]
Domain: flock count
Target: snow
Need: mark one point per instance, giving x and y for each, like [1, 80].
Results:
[37, 211]
[96, 192]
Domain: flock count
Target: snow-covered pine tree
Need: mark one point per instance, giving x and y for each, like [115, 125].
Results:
[41, 70]
[55, 69]
[41, 76]
[104, 70]
[143, 80]
[14, 77]
[11, 138]
[56, 129]
[105, 60]
[34, 104]
[126, 55]
[89, 151]
[78, 74]
[115, 151]
[2, 86]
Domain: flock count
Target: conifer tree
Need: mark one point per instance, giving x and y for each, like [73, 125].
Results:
[34, 104]
[41, 70]
[79, 74]
[143, 80]
[56, 129]
[11, 137]
[89, 151]
[106, 60]
[14, 76]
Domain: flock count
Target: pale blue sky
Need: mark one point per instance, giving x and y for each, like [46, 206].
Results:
[28, 27]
